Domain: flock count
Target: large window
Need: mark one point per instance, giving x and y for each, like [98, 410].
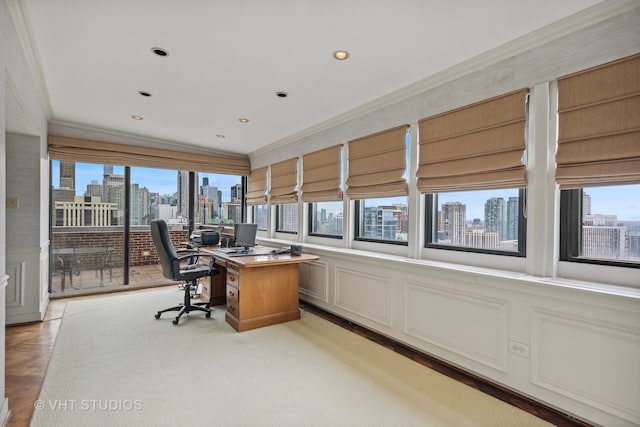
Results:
[490, 221]
[382, 220]
[287, 218]
[260, 216]
[601, 225]
[219, 199]
[325, 219]
[92, 228]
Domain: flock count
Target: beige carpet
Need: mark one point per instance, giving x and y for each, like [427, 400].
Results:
[115, 365]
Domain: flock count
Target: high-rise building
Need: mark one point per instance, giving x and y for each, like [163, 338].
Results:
[236, 193]
[495, 217]
[604, 242]
[183, 194]
[109, 181]
[381, 222]
[513, 215]
[454, 223]
[140, 205]
[67, 174]
[586, 204]
[94, 189]
[213, 198]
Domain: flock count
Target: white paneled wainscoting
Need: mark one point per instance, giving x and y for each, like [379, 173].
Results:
[572, 348]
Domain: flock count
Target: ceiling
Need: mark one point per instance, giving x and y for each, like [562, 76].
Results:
[228, 58]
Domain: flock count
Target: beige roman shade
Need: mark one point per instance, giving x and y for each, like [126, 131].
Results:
[321, 175]
[284, 182]
[479, 146]
[377, 164]
[599, 126]
[84, 150]
[256, 187]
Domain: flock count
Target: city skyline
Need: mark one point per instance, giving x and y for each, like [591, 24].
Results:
[623, 200]
[161, 181]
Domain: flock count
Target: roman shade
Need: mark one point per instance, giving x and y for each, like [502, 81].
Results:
[599, 126]
[377, 164]
[321, 175]
[284, 182]
[476, 147]
[109, 153]
[256, 187]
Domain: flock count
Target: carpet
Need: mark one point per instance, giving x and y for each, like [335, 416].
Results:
[115, 365]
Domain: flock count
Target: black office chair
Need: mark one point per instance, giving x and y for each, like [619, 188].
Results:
[185, 267]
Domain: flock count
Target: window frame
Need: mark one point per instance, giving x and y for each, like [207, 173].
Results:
[430, 224]
[310, 211]
[571, 217]
[278, 209]
[357, 227]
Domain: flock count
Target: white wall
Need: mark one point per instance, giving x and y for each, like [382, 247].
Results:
[21, 112]
[567, 337]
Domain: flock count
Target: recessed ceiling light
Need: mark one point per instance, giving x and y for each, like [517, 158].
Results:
[341, 55]
[243, 120]
[281, 94]
[136, 117]
[160, 51]
[219, 135]
[144, 93]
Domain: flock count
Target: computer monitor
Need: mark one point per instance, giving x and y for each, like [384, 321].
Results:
[245, 235]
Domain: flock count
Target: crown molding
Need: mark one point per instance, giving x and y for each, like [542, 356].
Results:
[22, 25]
[584, 19]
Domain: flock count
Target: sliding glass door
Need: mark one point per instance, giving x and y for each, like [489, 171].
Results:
[100, 217]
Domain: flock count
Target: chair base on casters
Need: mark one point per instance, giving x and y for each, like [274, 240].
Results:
[187, 306]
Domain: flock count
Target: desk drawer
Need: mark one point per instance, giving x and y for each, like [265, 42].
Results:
[233, 278]
[233, 295]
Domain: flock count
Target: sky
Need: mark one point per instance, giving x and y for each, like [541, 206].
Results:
[623, 200]
[160, 181]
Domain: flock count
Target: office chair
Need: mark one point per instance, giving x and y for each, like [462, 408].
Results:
[181, 268]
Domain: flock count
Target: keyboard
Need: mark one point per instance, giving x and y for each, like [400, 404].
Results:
[228, 250]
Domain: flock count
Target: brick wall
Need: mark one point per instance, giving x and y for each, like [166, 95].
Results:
[140, 242]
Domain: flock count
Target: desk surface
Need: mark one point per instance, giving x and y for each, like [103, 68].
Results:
[260, 260]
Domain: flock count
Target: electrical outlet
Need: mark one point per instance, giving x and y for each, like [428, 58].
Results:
[12, 203]
[519, 348]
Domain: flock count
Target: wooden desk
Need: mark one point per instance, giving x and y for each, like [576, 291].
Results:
[261, 290]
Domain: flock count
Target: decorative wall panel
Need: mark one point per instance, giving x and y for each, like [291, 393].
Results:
[594, 361]
[469, 324]
[314, 283]
[364, 294]
[16, 286]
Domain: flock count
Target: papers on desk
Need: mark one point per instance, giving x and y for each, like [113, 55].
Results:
[235, 252]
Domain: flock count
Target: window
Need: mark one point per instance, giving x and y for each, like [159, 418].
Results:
[218, 199]
[488, 221]
[601, 225]
[287, 218]
[260, 217]
[382, 220]
[325, 219]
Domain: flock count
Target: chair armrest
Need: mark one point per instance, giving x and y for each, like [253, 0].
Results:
[193, 259]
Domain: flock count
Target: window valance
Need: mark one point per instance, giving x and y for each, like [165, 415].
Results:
[84, 150]
[599, 126]
[377, 165]
[284, 182]
[256, 187]
[480, 146]
[321, 175]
